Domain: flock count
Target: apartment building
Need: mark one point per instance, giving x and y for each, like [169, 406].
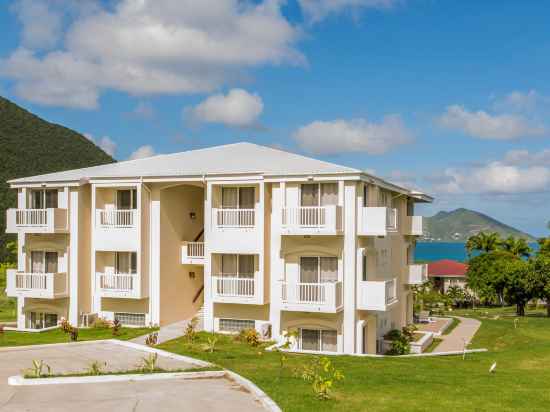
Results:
[241, 235]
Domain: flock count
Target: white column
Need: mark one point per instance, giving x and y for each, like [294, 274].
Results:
[20, 313]
[277, 262]
[96, 298]
[260, 230]
[350, 267]
[73, 205]
[154, 280]
[208, 311]
[21, 252]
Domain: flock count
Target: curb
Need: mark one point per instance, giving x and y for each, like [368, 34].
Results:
[260, 395]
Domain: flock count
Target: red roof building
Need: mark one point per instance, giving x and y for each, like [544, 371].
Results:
[447, 268]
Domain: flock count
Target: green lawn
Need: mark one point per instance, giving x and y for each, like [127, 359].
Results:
[11, 338]
[454, 323]
[410, 384]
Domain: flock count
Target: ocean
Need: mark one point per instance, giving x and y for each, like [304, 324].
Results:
[430, 251]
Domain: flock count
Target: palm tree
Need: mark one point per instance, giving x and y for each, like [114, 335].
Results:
[516, 246]
[484, 242]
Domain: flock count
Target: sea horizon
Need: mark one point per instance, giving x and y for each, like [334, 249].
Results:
[432, 251]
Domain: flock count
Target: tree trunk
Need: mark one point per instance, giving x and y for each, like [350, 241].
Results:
[520, 309]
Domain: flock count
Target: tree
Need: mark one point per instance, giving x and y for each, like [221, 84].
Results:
[483, 242]
[541, 278]
[516, 246]
[544, 245]
[486, 275]
[456, 294]
[518, 285]
[10, 252]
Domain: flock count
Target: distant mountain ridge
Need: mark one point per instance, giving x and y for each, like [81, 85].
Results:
[31, 146]
[458, 225]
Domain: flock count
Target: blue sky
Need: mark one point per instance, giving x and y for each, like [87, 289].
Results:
[449, 97]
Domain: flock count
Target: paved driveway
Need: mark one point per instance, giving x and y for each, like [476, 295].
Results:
[158, 395]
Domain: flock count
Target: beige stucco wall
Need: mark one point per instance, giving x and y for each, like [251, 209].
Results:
[58, 306]
[245, 311]
[177, 287]
[84, 247]
[125, 305]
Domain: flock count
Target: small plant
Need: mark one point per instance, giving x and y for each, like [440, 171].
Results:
[288, 337]
[322, 375]
[69, 329]
[101, 323]
[37, 369]
[210, 346]
[149, 364]
[96, 368]
[73, 334]
[191, 330]
[116, 327]
[152, 339]
[250, 336]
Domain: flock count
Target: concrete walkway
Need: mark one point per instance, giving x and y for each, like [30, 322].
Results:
[166, 333]
[464, 332]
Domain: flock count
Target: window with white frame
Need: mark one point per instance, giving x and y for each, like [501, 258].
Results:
[318, 194]
[236, 325]
[237, 197]
[318, 340]
[241, 266]
[44, 261]
[126, 263]
[130, 319]
[318, 269]
[43, 199]
[126, 199]
[40, 320]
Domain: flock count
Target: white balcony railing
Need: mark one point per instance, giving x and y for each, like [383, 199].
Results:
[391, 219]
[36, 220]
[235, 217]
[415, 226]
[418, 273]
[310, 219]
[313, 297]
[120, 285]
[192, 253]
[377, 295]
[376, 221]
[233, 286]
[37, 285]
[116, 218]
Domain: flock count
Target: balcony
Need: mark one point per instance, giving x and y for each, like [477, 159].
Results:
[376, 221]
[312, 220]
[418, 274]
[414, 226]
[119, 285]
[312, 297]
[192, 253]
[116, 230]
[377, 295]
[37, 285]
[236, 230]
[234, 289]
[37, 221]
[234, 218]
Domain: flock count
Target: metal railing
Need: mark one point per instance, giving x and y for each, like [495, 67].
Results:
[31, 217]
[315, 217]
[195, 249]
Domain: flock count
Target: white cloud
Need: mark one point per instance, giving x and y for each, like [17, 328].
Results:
[154, 47]
[144, 110]
[238, 109]
[317, 10]
[524, 157]
[105, 143]
[520, 101]
[358, 135]
[483, 125]
[495, 178]
[142, 152]
[41, 25]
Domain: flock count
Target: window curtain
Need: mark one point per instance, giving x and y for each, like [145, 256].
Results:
[310, 339]
[309, 195]
[51, 199]
[329, 194]
[51, 262]
[230, 197]
[246, 198]
[133, 262]
[246, 266]
[229, 265]
[309, 270]
[365, 195]
[329, 269]
[37, 262]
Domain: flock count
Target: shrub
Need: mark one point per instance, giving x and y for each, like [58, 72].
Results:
[400, 343]
[116, 327]
[152, 339]
[250, 336]
[149, 364]
[191, 330]
[96, 368]
[210, 346]
[322, 375]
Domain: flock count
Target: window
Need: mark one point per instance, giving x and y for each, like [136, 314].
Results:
[40, 320]
[318, 269]
[318, 340]
[236, 325]
[238, 198]
[319, 194]
[43, 262]
[130, 319]
[44, 199]
[126, 262]
[365, 195]
[364, 268]
[410, 207]
[241, 266]
[126, 199]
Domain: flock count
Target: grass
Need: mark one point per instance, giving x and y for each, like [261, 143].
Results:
[433, 345]
[12, 338]
[454, 323]
[8, 306]
[125, 372]
[410, 384]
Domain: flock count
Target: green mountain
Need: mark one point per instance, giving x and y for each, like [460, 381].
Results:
[31, 146]
[458, 225]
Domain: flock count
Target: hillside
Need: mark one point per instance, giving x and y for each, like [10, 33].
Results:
[459, 224]
[30, 146]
